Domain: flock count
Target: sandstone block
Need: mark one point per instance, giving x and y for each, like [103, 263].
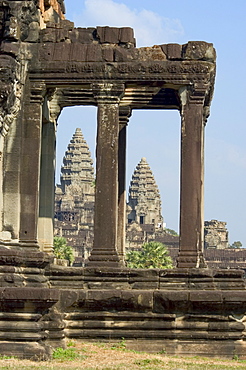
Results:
[94, 53]
[61, 35]
[199, 50]
[62, 51]
[205, 296]
[66, 24]
[172, 51]
[78, 52]
[46, 52]
[68, 298]
[48, 35]
[139, 301]
[120, 54]
[108, 35]
[10, 48]
[171, 302]
[126, 35]
[85, 35]
[108, 54]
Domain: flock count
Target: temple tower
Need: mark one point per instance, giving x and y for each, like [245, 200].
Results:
[77, 169]
[75, 196]
[144, 206]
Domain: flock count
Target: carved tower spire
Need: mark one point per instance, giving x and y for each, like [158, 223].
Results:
[74, 198]
[144, 206]
[77, 170]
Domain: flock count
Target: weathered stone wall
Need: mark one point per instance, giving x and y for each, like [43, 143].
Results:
[25, 299]
[181, 311]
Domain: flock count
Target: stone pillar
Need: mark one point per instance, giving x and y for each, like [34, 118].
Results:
[1, 184]
[47, 183]
[11, 183]
[125, 113]
[104, 252]
[192, 178]
[30, 165]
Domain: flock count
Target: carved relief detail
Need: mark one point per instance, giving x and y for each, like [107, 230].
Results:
[155, 68]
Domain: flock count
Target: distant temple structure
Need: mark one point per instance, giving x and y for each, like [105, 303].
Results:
[74, 211]
[215, 234]
[75, 196]
[143, 210]
[144, 205]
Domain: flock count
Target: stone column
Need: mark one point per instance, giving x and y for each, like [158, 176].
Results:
[125, 113]
[1, 184]
[104, 252]
[30, 165]
[11, 182]
[47, 182]
[47, 176]
[192, 178]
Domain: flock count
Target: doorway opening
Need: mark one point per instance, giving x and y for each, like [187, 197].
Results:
[75, 179]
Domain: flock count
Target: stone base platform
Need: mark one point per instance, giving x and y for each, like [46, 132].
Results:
[193, 347]
[23, 328]
[179, 311]
[27, 328]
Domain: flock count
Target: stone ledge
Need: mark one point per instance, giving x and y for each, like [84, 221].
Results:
[29, 294]
[137, 279]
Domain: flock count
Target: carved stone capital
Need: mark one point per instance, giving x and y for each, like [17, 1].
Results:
[54, 106]
[108, 93]
[195, 94]
[37, 92]
[125, 113]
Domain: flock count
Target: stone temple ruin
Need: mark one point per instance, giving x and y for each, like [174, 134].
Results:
[75, 198]
[74, 212]
[144, 205]
[45, 65]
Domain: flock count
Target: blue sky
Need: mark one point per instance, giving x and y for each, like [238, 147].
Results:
[156, 134]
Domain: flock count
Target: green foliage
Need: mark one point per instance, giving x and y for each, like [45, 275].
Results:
[62, 354]
[171, 232]
[162, 351]
[62, 250]
[4, 357]
[120, 346]
[149, 361]
[68, 354]
[237, 244]
[152, 255]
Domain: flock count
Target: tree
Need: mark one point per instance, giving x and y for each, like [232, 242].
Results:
[152, 255]
[62, 250]
[235, 245]
[171, 232]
